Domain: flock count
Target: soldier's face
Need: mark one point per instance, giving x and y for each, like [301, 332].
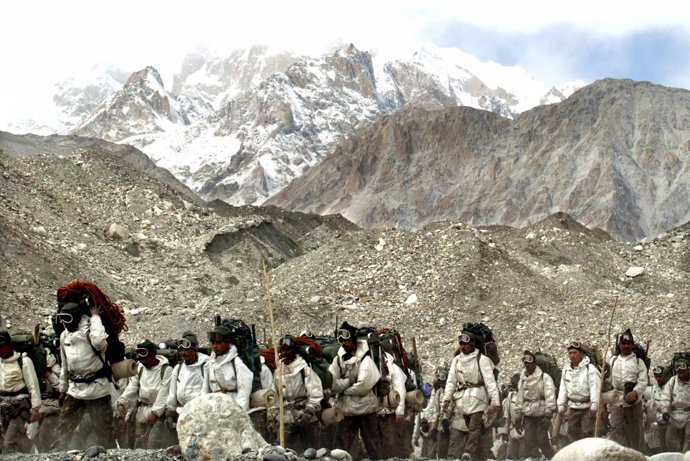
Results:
[466, 348]
[530, 367]
[575, 356]
[626, 347]
[220, 347]
[5, 351]
[347, 344]
[683, 375]
[287, 354]
[188, 355]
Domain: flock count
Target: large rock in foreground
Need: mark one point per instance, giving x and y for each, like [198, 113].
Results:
[597, 449]
[214, 426]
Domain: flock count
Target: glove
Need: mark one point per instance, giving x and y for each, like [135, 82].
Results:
[424, 426]
[171, 419]
[666, 417]
[306, 418]
[445, 423]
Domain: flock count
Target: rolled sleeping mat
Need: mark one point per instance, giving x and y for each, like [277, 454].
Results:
[331, 415]
[263, 398]
[414, 399]
[611, 397]
[123, 369]
[391, 400]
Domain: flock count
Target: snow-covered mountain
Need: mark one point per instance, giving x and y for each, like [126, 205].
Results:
[241, 127]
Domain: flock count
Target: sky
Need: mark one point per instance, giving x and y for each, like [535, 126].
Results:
[557, 42]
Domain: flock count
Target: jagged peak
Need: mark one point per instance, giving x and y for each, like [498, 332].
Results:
[148, 74]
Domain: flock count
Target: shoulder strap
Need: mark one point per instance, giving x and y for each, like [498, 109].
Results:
[165, 365]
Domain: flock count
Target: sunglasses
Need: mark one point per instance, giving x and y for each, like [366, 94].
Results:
[681, 366]
[344, 335]
[464, 338]
[142, 352]
[184, 344]
[527, 359]
[65, 318]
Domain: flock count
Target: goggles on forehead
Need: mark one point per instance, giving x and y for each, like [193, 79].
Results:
[287, 341]
[441, 375]
[574, 345]
[527, 359]
[344, 334]
[142, 352]
[464, 338]
[184, 344]
[215, 337]
[658, 371]
[681, 366]
[65, 318]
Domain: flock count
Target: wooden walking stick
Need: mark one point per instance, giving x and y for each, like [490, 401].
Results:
[603, 368]
[279, 367]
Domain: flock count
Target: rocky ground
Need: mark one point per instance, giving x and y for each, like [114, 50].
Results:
[172, 265]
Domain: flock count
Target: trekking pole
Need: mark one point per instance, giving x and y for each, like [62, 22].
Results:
[603, 367]
[279, 368]
[417, 364]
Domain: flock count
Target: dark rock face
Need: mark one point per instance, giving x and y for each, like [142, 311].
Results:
[614, 155]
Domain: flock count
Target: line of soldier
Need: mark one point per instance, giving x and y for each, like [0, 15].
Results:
[459, 422]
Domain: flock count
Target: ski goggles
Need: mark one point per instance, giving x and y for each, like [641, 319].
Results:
[344, 335]
[680, 366]
[184, 344]
[464, 338]
[527, 359]
[574, 345]
[142, 352]
[658, 371]
[64, 317]
[287, 341]
[441, 375]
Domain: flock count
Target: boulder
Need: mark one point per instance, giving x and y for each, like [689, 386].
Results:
[214, 426]
[597, 449]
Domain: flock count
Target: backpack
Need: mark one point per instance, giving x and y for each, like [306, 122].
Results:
[244, 340]
[484, 340]
[548, 364]
[310, 351]
[380, 341]
[329, 347]
[26, 344]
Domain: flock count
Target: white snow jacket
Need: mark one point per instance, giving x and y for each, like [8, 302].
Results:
[432, 411]
[675, 399]
[536, 394]
[579, 387]
[628, 368]
[510, 414]
[300, 382]
[354, 380]
[471, 383]
[149, 387]
[186, 382]
[80, 359]
[14, 378]
[228, 374]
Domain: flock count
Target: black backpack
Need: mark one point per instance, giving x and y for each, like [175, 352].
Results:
[484, 340]
[244, 340]
[388, 340]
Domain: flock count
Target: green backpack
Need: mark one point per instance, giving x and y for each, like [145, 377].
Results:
[549, 365]
[25, 344]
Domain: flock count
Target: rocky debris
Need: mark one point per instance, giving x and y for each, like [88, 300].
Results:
[597, 449]
[536, 287]
[201, 437]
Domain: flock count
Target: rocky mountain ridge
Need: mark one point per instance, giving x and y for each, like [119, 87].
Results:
[172, 265]
[615, 155]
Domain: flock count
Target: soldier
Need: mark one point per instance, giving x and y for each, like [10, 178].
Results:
[188, 378]
[510, 432]
[354, 377]
[85, 378]
[49, 416]
[472, 387]
[655, 430]
[675, 407]
[394, 442]
[302, 394]
[536, 402]
[20, 396]
[147, 391]
[436, 442]
[628, 376]
[226, 372]
[579, 394]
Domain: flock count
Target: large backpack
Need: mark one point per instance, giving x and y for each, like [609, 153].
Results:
[311, 352]
[548, 364]
[381, 340]
[484, 340]
[247, 349]
[27, 344]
